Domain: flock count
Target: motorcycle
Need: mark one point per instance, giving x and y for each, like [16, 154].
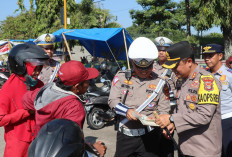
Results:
[4, 75]
[98, 111]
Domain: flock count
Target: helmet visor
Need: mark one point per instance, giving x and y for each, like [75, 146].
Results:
[37, 62]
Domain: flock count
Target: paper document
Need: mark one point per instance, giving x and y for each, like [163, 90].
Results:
[145, 120]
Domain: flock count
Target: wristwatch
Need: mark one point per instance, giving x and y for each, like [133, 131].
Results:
[171, 119]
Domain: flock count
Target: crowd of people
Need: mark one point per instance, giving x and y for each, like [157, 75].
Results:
[42, 112]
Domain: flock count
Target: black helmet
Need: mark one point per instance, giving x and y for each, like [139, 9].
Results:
[19, 53]
[58, 138]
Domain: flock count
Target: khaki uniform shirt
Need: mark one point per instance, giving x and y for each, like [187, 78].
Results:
[139, 91]
[47, 71]
[159, 69]
[198, 119]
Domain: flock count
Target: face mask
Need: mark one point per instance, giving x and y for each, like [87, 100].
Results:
[31, 82]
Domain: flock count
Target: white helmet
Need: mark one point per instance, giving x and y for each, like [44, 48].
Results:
[143, 51]
[162, 43]
[45, 40]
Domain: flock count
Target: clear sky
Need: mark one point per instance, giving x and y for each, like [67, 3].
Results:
[119, 8]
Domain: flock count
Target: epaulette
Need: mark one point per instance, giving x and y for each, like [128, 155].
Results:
[205, 72]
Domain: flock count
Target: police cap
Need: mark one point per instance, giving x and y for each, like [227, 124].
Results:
[45, 40]
[143, 52]
[213, 48]
[162, 43]
[176, 53]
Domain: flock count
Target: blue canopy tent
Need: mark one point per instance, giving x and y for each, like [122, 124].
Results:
[99, 42]
[30, 41]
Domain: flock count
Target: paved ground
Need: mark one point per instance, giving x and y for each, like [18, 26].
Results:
[107, 134]
[2, 142]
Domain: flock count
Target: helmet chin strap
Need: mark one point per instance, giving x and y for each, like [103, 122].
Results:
[30, 82]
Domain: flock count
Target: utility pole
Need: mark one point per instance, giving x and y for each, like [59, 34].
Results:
[99, 7]
[65, 15]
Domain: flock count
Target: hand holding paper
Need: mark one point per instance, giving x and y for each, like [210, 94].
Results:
[145, 120]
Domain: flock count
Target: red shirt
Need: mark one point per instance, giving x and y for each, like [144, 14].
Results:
[68, 107]
[17, 122]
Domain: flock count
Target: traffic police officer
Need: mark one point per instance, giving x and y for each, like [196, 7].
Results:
[133, 138]
[213, 54]
[197, 119]
[48, 72]
[162, 43]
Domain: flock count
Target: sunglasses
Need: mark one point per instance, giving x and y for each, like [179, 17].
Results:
[143, 68]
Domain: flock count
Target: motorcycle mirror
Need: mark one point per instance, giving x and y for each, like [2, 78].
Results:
[103, 80]
[123, 68]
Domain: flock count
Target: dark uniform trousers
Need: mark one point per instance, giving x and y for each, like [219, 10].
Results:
[152, 144]
[227, 137]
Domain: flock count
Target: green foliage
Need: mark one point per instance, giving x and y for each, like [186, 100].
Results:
[138, 31]
[212, 38]
[156, 15]
[18, 27]
[214, 12]
[45, 17]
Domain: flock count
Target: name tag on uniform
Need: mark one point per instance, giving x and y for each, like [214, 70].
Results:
[149, 91]
[127, 86]
[192, 91]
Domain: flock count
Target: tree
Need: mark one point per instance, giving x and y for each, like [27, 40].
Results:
[156, 15]
[82, 15]
[18, 27]
[187, 6]
[214, 12]
[45, 17]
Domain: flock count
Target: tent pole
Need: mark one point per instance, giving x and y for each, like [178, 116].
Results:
[113, 56]
[66, 43]
[9, 44]
[93, 61]
[128, 64]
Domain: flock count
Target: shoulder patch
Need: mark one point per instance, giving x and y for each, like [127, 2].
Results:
[115, 80]
[208, 90]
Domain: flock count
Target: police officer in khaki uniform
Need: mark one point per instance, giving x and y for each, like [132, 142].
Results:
[162, 43]
[49, 71]
[197, 119]
[133, 138]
